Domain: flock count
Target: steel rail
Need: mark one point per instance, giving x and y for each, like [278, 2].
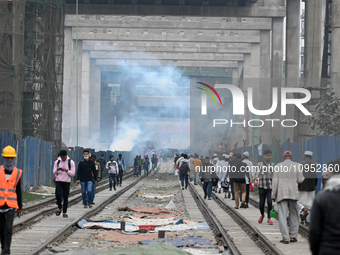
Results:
[264, 244]
[217, 225]
[36, 216]
[48, 201]
[63, 232]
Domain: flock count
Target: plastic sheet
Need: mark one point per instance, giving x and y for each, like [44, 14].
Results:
[180, 242]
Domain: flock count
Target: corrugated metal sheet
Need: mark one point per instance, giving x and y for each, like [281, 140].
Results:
[35, 158]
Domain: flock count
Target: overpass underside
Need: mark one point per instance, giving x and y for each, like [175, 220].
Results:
[214, 42]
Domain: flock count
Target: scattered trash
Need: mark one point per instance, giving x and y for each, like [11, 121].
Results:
[147, 227]
[104, 224]
[124, 238]
[181, 227]
[150, 210]
[171, 205]
[179, 222]
[157, 196]
[146, 221]
[150, 250]
[180, 242]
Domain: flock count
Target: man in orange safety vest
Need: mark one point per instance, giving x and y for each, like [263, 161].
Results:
[10, 197]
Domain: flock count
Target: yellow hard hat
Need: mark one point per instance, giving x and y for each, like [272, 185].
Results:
[231, 153]
[9, 152]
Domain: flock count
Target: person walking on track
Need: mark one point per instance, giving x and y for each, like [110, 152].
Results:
[121, 168]
[146, 166]
[86, 176]
[239, 179]
[184, 171]
[102, 163]
[113, 172]
[10, 197]
[135, 165]
[263, 179]
[98, 173]
[64, 168]
[207, 175]
[285, 192]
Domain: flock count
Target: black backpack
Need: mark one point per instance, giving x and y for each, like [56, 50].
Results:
[184, 169]
[69, 164]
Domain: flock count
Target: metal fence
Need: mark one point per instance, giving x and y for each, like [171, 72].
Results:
[35, 158]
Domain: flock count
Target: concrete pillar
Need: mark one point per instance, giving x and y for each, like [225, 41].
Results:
[73, 109]
[335, 57]
[67, 87]
[277, 71]
[235, 76]
[95, 88]
[265, 84]
[292, 61]
[312, 52]
[255, 85]
[84, 102]
[239, 132]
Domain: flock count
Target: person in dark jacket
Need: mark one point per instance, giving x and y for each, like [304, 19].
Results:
[238, 173]
[86, 176]
[135, 165]
[324, 231]
[154, 161]
[232, 160]
[307, 187]
[207, 175]
[102, 163]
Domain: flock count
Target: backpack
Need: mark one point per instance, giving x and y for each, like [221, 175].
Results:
[184, 169]
[69, 167]
[69, 164]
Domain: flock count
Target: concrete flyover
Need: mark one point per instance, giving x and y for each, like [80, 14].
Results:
[215, 42]
[230, 8]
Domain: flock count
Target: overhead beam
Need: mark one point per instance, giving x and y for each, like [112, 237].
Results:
[166, 56]
[173, 35]
[167, 47]
[116, 62]
[169, 22]
[254, 10]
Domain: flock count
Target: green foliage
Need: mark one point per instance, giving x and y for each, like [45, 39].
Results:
[327, 118]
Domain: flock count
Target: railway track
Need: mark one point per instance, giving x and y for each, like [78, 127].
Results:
[260, 240]
[39, 232]
[35, 213]
[213, 222]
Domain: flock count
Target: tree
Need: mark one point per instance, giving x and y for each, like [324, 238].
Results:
[327, 117]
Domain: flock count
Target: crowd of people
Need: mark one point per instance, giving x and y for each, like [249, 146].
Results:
[139, 163]
[290, 184]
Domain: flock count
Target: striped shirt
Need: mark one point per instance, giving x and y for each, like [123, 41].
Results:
[264, 175]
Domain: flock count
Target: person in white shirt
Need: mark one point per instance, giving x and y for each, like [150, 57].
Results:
[251, 174]
[223, 176]
[113, 171]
